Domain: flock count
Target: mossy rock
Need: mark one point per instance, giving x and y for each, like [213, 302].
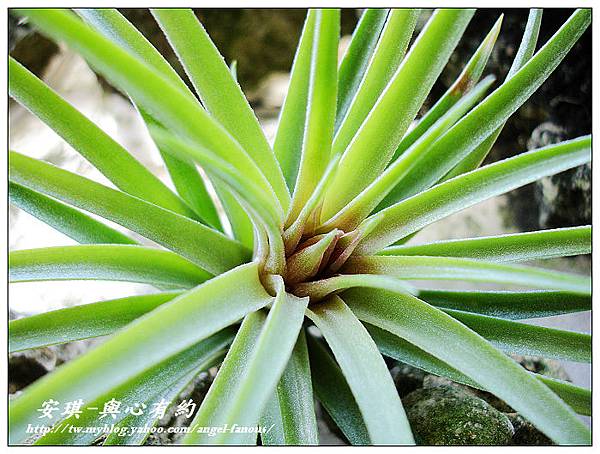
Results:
[445, 415]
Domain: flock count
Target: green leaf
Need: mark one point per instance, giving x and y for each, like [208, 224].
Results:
[462, 85]
[167, 330]
[492, 112]
[517, 247]
[424, 326]
[510, 305]
[450, 268]
[198, 243]
[184, 175]
[219, 91]
[291, 409]
[525, 52]
[356, 59]
[410, 215]
[258, 358]
[320, 109]
[365, 202]
[290, 129]
[525, 339]
[152, 385]
[332, 390]
[395, 110]
[80, 322]
[148, 88]
[382, 65]
[73, 223]
[365, 371]
[128, 263]
[579, 399]
[90, 141]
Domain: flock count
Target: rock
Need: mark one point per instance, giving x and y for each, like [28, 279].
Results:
[526, 433]
[547, 367]
[26, 367]
[407, 378]
[445, 415]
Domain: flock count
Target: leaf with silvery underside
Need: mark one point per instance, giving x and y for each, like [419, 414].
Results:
[204, 246]
[423, 325]
[391, 116]
[579, 399]
[184, 321]
[365, 371]
[65, 219]
[410, 215]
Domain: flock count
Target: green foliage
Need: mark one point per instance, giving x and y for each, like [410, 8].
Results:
[316, 282]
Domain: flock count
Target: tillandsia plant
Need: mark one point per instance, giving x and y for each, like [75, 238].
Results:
[315, 279]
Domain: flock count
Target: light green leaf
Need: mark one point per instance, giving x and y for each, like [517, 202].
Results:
[365, 371]
[210, 249]
[525, 339]
[81, 322]
[579, 399]
[320, 109]
[291, 409]
[90, 141]
[219, 91]
[384, 62]
[73, 223]
[335, 395]
[395, 110]
[169, 329]
[357, 56]
[510, 305]
[424, 326]
[258, 358]
[516, 247]
[410, 215]
[128, 263]
[152, 385]
[450, 268]
[492, 112]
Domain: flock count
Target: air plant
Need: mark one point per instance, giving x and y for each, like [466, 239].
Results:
[298, 275]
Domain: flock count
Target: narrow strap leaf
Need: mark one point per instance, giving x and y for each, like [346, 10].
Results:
[493, 111]
[105, 262]
[335, 395]
[262, 363]
[510, 305]
[424, 326]
[291, 410]
[526, 339]
[149, 386]
[365, 371]
[357, 56]
[208, 248]
[80, 322]
[450, 268]
[408, 216]
[525, 52]
[396, 108]
[518, 247]
[462, 85]
[110, 158]
[320, 110]
[186, 320]
[384, 62]
[219, 91]
[185, 176]
[73, 223]
[579, 399]
[292, 117]
[151, 92]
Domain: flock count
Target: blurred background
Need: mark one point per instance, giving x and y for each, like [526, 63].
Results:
[263, 41]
